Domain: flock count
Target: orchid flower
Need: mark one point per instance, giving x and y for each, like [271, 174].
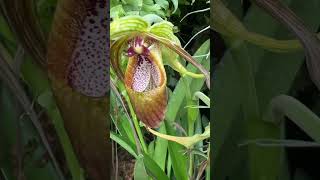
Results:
[147, 48]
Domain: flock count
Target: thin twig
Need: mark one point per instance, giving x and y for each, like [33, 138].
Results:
[194, 36]
[4, 176]
[201, 169]
[203, 55]
[117, 162]
[194, 12]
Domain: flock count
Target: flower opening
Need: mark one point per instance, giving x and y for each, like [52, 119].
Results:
[145, 81]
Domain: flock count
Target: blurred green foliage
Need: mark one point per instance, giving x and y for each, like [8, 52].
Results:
[249, 80]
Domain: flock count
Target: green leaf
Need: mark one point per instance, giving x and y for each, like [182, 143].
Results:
[117, 12]
[203, 97]
[151, 148]
[124, 143]
[286, 106]
[178, 95]
[153, 169]
[175, 5]
[163, 4]
[160, 151]
[140, 170]
[152, 18]
[179, 161]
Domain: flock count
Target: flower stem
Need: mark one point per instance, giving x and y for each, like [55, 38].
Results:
[138, 129]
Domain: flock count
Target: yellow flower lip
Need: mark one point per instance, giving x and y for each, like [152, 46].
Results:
[138, 50]
[137, 46]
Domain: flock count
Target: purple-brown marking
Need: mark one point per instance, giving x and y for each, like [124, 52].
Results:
[88, 71]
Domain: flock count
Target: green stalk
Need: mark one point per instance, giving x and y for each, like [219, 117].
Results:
[192, 117]
[136, 138]
[191, 158]
[137, 127]
[208, 165]
[189, 110]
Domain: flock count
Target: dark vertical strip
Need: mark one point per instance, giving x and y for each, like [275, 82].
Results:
[212, 69]
[110, 152]
[83, 26]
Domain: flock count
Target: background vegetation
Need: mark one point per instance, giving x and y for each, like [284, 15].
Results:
[250, 73]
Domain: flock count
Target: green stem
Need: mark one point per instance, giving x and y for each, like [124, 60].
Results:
[208, 164]
[191, 158]
[190, 123]
[132, 120]
[137, 127]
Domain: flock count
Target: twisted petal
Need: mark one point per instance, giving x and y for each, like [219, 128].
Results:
[188, 142]
[179, 50]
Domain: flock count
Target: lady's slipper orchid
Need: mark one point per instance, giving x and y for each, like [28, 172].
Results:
[145, 81]
[144, 75]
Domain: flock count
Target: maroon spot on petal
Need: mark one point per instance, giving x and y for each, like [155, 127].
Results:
[131, 52]
[142, 74]
[146, 76]
[88, 71]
